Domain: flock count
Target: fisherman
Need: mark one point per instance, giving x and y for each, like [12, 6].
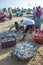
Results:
[30, 26]
[17, 26]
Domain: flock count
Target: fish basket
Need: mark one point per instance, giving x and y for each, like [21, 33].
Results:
[7, 42]
[39, 38]
[23, 51]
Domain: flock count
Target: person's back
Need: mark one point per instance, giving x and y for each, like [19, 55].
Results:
[28, 22]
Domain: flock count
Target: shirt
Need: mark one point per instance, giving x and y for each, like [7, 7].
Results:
[16, 25]
[28, 22]
[38, 14]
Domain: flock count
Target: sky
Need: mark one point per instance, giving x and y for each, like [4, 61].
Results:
[20, 3]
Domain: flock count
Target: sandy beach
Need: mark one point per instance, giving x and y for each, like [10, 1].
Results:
[5, 54]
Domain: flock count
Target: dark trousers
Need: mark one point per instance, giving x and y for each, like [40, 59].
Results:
[27, 28]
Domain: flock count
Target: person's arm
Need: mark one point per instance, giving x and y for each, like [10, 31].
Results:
[11, 27]
[19, 26]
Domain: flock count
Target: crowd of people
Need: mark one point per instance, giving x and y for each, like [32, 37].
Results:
[31, 25]
[37, 17]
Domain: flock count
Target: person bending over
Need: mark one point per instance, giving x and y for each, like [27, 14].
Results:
[16, 25]
[30, 25]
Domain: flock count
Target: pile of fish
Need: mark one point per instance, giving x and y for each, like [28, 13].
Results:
[24, 50]
[18, 34]
[9, 33]
[7, 39]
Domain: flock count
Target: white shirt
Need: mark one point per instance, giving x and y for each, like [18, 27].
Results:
[28, 22]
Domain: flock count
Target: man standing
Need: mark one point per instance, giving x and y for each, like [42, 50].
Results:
[38, 18]
[34, 13]
[10, 13]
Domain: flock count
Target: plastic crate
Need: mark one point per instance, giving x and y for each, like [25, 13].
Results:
[38, 38]
[7, 44]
